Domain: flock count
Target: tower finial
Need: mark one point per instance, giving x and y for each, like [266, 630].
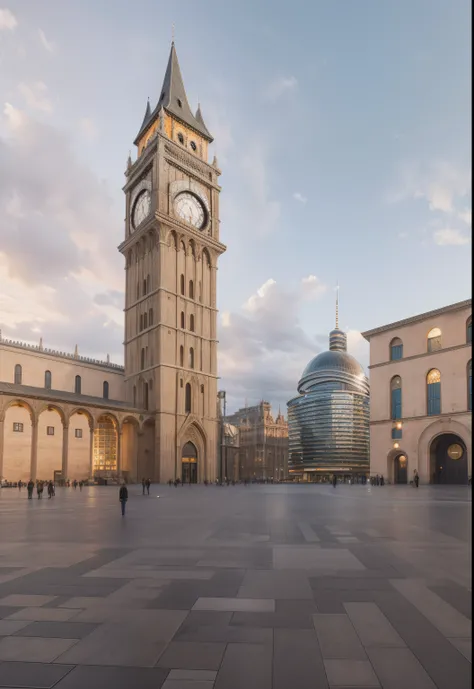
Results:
[172, 33]
[337, 306]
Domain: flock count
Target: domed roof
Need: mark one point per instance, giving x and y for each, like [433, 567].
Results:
[334, 361]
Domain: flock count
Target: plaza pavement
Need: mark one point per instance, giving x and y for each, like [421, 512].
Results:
[259, 587]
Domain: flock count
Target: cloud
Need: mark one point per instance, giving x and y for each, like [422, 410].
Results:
[299, 197]
[263, 348]
[466, 216]
[440, 183]
[279, 87]
[312, 287]
[450, 237]
[47, 45]
[36, 96]
[58, 227]
[88, 128]
[8, 21]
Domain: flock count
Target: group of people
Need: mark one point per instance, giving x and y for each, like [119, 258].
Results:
[146, 483]
[377, 480]
[30, 487]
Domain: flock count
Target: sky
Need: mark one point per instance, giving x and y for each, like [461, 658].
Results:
[343, 133]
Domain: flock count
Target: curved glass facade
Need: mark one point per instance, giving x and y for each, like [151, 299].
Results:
[329, 420]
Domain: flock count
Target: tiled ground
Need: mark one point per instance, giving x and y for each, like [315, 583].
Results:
[260, 587]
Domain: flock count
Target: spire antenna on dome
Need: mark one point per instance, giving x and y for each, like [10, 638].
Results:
[337, 305]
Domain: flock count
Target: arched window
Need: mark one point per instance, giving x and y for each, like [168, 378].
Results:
[191, 289]
[469, 330]
[150, 317]
[105, 390]
[181, 356]
[181, 139]
[145, 396]
[77, 385]
[396, 398]
[18, 375]
[433, 384]
[434, 340]
[182, 319]
[187, 400]
[145, 320]
[396, 349]
[144, 287]
[191, 323]
[469, 385]
[142, 359]
[141, 322]
[47, 380]
[181, 280]
[134, 395]
[191, 358]
[148, 284]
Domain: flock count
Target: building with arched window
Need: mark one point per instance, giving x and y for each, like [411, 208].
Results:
[425, 362]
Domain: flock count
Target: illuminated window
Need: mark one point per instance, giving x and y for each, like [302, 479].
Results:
[105, 446]
[434, 340]
[396, 349]
[18, 375]
[47, 380]
[396, 398]
[433, 384]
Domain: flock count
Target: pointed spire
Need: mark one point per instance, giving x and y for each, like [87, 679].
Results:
[173, 99]
[337, 306]
[199, 119]
[337, 338]
[76, 352]
[41, 344]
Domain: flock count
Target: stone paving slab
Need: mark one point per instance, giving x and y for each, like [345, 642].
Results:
[262, 587]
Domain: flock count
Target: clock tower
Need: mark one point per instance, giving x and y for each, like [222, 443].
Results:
[171, 248]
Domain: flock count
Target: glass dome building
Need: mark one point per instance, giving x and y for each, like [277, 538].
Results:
[328, 423]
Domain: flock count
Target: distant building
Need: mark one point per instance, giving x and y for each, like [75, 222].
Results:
[263, 440]
[329, 420]
[421, 396]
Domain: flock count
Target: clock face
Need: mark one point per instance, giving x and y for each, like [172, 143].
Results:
[190, 209]
[141, 208]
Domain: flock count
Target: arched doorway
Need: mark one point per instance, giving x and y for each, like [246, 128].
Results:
[448, 460]
[189, 464]
[400, 469]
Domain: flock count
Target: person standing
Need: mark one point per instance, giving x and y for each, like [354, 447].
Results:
[416, 478]
[19, 484]
[382, 480]
[50, 490]
[334, 481]
[123, 497]
[81, 483]
[30, 488]
[143, 485]
[148, 484]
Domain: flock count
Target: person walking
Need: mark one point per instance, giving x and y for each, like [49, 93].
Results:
[148, 484]
[123, 497]
[382, 480]
[19, 485]
[81, 483]
[416, 478]
[143, 485]
[50, 490]
[39, 490]
[30, 488]
[334, 480]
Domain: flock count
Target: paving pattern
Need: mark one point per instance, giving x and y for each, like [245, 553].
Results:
[258, 587]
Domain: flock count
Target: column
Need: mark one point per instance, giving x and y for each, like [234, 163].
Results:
[138, 452]
[2, 424]
[34, 449]
[91, 454]
[119, 453]
[65, 455]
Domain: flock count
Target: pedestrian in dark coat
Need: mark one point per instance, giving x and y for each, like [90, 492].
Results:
[123, 497]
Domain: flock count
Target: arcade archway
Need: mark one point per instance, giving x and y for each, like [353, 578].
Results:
[448, 460]
[400, 469]
[189, 463]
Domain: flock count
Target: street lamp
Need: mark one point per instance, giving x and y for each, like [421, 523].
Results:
[221, 396]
